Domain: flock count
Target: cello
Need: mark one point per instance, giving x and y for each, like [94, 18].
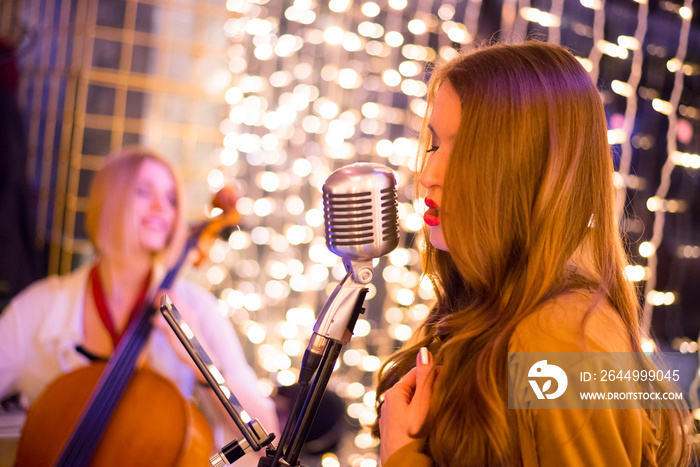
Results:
[118, 414]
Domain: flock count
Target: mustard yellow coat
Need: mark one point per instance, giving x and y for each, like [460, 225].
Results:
[572, 438]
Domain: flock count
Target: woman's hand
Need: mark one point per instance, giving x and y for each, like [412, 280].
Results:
[406, 405]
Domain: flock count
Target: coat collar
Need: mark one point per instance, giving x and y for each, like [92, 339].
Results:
[63, 324]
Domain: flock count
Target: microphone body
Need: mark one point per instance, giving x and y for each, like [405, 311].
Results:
[360, 211]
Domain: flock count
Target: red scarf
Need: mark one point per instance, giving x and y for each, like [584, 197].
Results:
[103, 309]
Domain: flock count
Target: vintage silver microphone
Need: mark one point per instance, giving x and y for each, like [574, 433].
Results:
[360, 211]
[361, 222]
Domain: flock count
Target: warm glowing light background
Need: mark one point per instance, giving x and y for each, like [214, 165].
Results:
[274, 95]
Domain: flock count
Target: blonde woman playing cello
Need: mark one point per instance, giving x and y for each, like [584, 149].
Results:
[135, 220]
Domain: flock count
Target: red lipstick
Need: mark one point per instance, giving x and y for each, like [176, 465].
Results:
[432, 215]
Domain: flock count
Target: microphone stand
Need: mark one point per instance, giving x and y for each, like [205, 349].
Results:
[333, 329]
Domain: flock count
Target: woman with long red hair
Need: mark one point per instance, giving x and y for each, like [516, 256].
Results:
[525, 255]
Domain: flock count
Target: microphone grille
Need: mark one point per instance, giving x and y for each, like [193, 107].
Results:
[390, 214]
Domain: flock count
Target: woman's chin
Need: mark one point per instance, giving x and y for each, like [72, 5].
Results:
[152, 246]
[437, 239]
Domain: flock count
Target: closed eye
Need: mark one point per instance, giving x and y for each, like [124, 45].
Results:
[432, 149]
[143, 190]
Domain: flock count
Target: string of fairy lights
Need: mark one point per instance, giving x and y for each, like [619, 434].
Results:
[659, 201]
[318, 85]
[629, 90]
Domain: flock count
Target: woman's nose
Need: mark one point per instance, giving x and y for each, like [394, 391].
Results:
[158, 202]
[433, 173]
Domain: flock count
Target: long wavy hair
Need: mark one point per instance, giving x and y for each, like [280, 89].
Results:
[527, 214]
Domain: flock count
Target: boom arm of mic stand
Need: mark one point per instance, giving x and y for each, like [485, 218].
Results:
[332, 330]
[313, 401]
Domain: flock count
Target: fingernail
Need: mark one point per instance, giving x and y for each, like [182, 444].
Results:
[423, 356]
